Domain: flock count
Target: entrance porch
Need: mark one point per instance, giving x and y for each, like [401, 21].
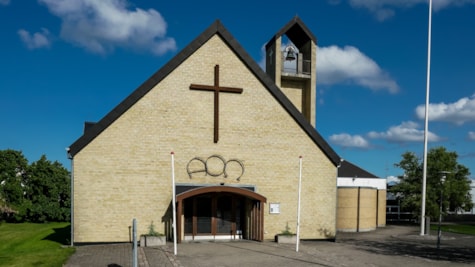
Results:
[220, 212]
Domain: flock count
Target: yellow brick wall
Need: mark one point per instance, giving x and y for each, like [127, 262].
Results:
[368, 209]
[363, 214]
[125, 172]
[382, 208]
[347, 209]
[293, 90]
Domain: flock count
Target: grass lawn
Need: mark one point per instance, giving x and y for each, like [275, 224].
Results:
[455, 228]
[30, 244]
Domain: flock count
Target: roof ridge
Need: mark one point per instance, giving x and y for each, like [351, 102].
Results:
[215, 28]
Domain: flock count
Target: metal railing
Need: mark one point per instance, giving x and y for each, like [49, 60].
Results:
[297, 66]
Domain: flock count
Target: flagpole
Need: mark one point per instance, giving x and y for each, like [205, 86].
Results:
[174, 203]
[426, 128]
[298, 206]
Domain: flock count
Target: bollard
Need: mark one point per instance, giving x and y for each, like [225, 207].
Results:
[427, 226]
[134, 238]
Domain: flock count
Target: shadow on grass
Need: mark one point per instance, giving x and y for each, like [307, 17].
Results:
[60, 235]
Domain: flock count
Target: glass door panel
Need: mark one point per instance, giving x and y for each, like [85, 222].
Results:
[224, 218]
[203, 215]
[188, 211]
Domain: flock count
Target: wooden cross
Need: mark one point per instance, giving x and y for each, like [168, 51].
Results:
[216, 89]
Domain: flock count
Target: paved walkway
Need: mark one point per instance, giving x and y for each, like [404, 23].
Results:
[389, 246]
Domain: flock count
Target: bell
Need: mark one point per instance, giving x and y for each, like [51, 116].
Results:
[290, 55]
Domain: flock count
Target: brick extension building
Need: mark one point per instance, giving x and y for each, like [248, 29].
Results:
[236, 132]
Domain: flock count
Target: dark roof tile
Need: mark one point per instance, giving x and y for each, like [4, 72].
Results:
[348, 169]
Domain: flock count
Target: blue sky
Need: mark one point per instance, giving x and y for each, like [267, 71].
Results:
[64, 62]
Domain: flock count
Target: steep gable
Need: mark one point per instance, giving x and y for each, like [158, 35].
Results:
[215, 29]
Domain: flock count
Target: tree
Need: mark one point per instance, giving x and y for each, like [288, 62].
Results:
[48, 194]
[38, 192]
[455, 189]
[13, 178]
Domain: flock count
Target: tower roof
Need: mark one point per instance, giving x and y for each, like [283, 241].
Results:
[296, 31]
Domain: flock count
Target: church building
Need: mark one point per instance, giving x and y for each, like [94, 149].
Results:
[232, 136]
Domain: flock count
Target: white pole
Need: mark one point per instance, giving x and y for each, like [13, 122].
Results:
[426, 129]
[174, 202]
[72, 202]
[298, 206]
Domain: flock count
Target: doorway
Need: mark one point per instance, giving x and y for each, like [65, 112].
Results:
[214, 215]
[210, 213]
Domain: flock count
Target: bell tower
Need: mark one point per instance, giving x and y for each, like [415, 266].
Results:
[291, 63]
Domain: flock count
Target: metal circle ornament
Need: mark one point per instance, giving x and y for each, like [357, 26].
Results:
[216, 165]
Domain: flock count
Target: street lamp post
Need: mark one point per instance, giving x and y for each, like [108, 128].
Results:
[426, 129]
[442, 180]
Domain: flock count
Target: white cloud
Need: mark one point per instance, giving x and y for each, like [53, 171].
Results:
[349, 65]
[458, 112]
[384, 9]
[101, 26]
[4, 2]
[35, 40]
[471, 135]
[346, 140]
[262, 61]
[405, 132]
[392, 179]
